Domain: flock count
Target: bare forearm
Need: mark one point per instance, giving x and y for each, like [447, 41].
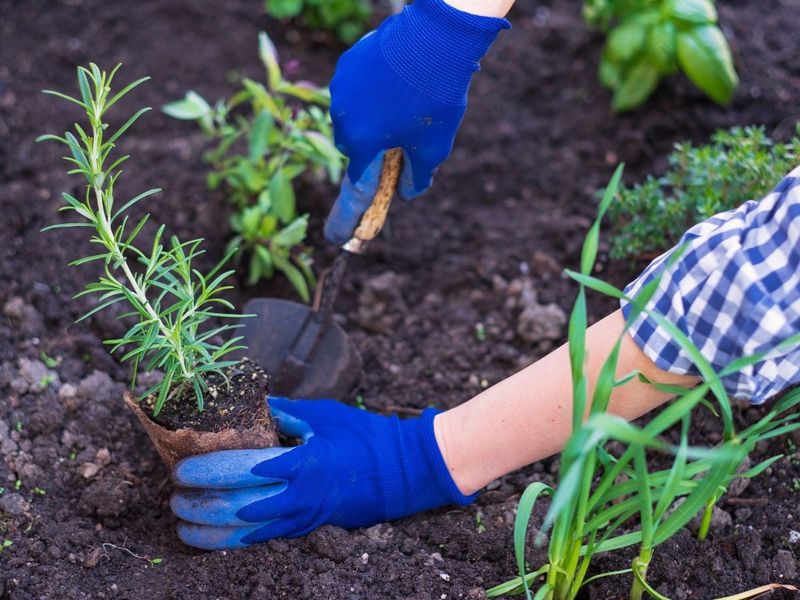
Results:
[484, 8]
[528, 416]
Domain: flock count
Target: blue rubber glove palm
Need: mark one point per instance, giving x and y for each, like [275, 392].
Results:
[353, 469]
[404, 85]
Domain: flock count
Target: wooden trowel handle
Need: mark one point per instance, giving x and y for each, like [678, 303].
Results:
[375, 216]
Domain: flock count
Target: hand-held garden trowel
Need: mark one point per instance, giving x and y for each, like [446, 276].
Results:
[305, 351]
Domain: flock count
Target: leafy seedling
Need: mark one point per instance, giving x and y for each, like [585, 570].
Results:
[170, 301]
[267, 135]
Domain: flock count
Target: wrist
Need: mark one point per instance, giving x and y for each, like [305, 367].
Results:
[436, 47]
[483, 8]
[415, 475]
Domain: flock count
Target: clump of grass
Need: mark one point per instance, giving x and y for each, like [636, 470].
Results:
[170, 301]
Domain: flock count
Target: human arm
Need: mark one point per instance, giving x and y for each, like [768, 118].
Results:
[356, 468]
[528, 416]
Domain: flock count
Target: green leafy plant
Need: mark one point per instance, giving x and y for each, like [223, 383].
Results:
[267, 136]
[739, 164]
[648, 40]
[171, 302]
[608, 499]
[347, 18]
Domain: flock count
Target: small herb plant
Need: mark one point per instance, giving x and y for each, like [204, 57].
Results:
[267, 135]
[347, 18]
[740, 164]
[170, 300]
[608, 500]
[648, 40]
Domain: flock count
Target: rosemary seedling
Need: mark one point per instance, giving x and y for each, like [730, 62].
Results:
[170, 300]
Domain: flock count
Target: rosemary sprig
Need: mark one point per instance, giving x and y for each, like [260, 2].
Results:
[171, 301]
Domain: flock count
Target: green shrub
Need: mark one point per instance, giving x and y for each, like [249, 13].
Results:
[739, 164]
[170, 301]
[650, 39]
[347, 18]
[267, 135]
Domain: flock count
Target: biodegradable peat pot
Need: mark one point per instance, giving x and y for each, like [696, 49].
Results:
[235, 417]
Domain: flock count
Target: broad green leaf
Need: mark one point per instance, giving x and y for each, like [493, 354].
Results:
[255, 269]
[267, 226]
[626, 41]
[293, 275]
[637, 84]
[661, 47]
[704, 56]
[608, 72]
[259, 135]
[282, 194]
[693, 11]
[292, 234]
[306, 91]
[265, 256]
[191, 108]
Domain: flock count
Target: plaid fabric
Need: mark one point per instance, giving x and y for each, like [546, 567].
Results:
[734, 291]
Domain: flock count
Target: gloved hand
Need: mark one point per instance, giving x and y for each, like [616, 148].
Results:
[353, 469]
[404, 85]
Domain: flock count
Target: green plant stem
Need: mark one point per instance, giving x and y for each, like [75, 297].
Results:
[107, 233]
[640, 564]
[705, 524]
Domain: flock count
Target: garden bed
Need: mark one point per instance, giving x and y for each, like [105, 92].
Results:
[508, 212]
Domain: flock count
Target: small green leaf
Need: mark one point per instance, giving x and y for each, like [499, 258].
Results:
[284, 9]
[282, 194]
[293, 275]
[608, 72]
[626, 41]
[259, 135]
[661, 47]
[704, 56]
[191, 108]
[269, 56]
[292, 234]
[267, 265]
[693, 11]
[637, 85]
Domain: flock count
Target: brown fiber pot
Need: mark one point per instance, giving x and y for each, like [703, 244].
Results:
[173, 446]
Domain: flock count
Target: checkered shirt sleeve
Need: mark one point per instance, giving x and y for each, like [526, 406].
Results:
[734, 291]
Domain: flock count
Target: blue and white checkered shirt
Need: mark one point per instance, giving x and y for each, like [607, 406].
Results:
[734, 291]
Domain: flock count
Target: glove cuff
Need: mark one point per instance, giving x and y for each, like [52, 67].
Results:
[436, 48]
[414, 475]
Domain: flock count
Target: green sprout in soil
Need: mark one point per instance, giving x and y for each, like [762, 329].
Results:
[267, 135]
[6, 544]
[480, 332]
[170, 300]
[18, 484]
[46, 380]
[2, 491]
[39, 491]
[49, 361]
[18, 426]
[610, 496]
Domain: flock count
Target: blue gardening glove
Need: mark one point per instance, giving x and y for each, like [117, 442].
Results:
[353, 469]
[404, 85]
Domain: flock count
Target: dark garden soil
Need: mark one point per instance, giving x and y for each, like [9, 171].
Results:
[230, 402]
[483, 251]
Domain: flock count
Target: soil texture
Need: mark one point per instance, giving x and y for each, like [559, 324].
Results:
[463, 288]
